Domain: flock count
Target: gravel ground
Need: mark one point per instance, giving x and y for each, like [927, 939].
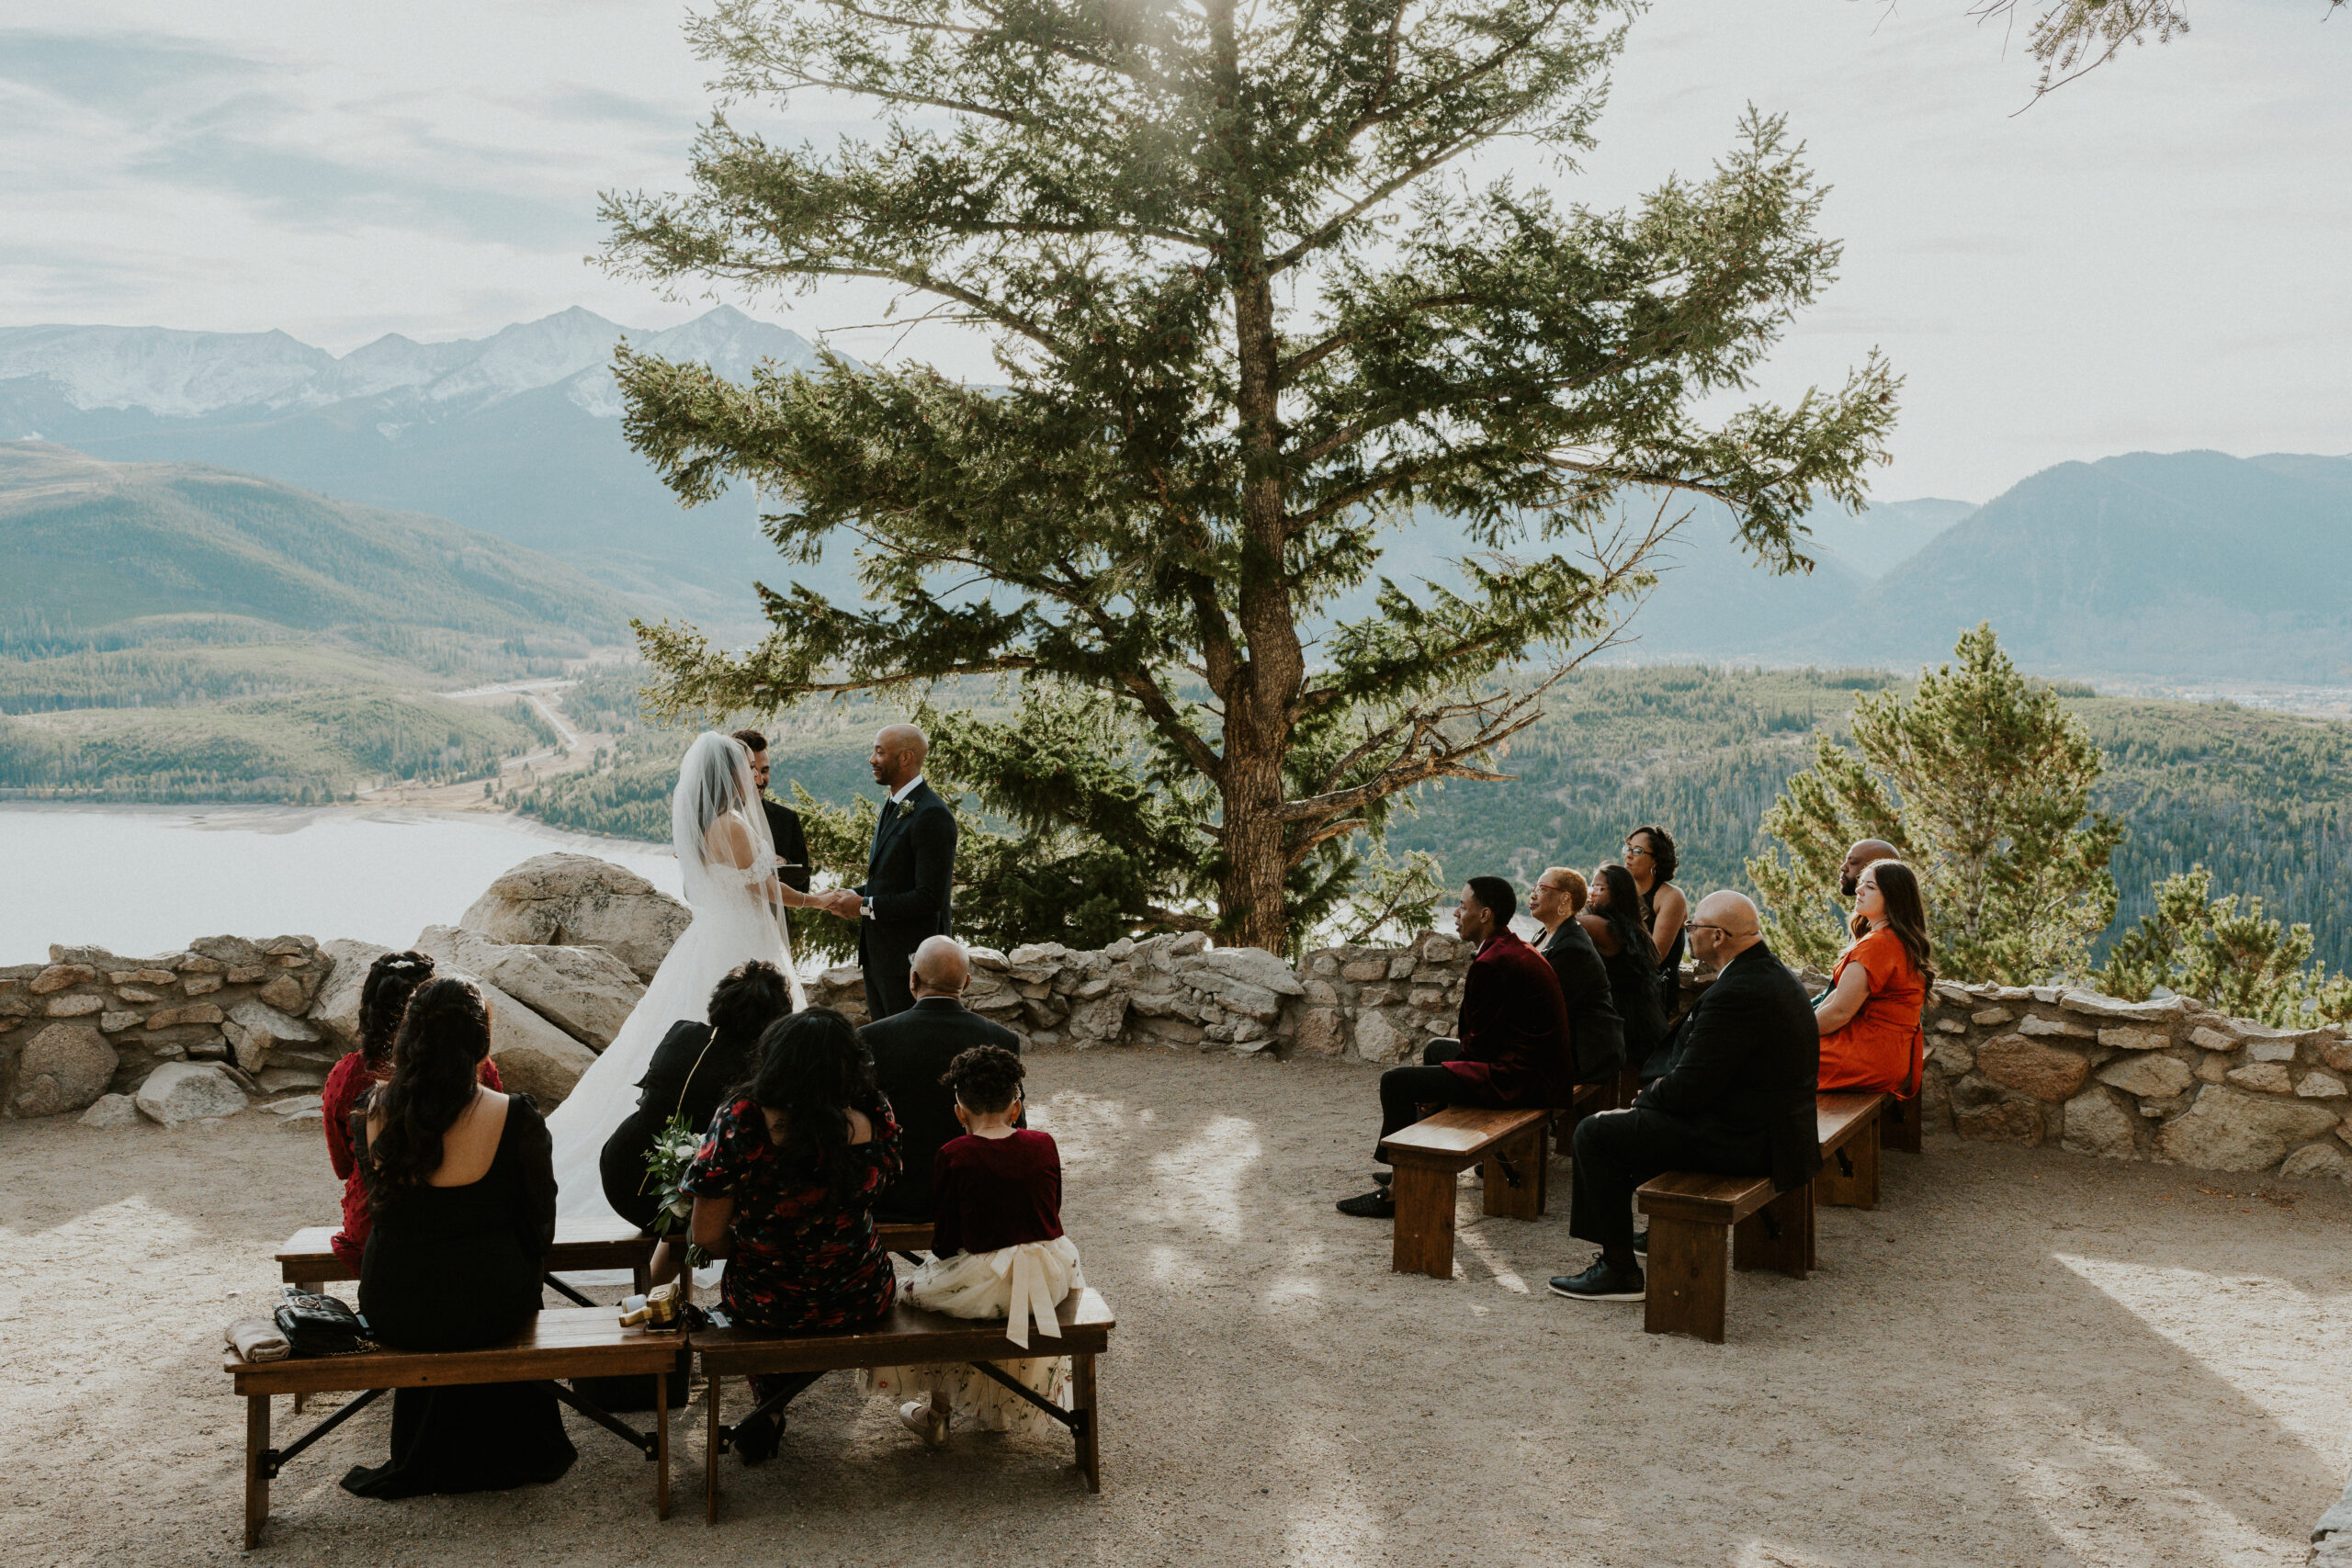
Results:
[2021, 1357]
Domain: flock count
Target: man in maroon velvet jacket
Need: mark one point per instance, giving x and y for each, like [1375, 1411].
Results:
[1513, 1048]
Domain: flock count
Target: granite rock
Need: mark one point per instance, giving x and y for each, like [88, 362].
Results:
[64, 1067]
[180, 1092]
[2043, 1071]
[567, 900]
[2226, 1130]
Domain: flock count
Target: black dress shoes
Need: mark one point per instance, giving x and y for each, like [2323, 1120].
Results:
[1601, 1282]
[1377, 1204]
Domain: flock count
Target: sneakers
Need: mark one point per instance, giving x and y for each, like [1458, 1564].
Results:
[755, 1438]
[1600, 1282]
[925, 1421]
[1377, 1204]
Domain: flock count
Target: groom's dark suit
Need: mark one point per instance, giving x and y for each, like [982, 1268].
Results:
[906, 882]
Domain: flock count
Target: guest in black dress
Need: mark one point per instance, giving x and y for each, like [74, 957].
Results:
[1613, 918]
[690, 1073]
[462, 1181]
[784, 1190]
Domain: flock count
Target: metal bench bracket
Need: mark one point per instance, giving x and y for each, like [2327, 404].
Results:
[642, 1441]
[1073, 1419]
[271, 1459]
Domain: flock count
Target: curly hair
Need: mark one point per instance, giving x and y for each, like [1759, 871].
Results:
[443, 1038]
[814, 1069]
[391, 980]
[985, 1079]
[752, 995]
[1661, 855]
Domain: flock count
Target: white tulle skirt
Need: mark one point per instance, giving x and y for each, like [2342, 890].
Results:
[1020, 1284]
[726, 932]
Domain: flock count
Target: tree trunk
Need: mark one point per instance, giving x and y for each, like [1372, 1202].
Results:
[1262, 698]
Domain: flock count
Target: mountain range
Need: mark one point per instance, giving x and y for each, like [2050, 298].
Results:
[2191, 565]
[516, 434]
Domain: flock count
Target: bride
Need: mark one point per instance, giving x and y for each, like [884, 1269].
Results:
[721, 836]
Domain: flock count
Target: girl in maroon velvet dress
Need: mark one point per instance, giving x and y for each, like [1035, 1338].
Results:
[391, 980]
[997, 1250]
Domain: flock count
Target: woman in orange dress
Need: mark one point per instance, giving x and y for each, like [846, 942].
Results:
[1870, 1019]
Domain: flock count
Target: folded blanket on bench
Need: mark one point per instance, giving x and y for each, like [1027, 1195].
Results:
[258, 1339]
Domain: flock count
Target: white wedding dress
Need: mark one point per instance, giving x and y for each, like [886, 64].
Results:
[716, 806]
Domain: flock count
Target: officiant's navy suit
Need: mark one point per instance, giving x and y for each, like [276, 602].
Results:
[907, 880]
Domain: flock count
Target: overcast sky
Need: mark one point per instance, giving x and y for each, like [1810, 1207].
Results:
[2153, 258]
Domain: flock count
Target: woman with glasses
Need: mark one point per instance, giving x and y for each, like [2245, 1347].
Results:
[1651, 859]
[1870, 1019]
[1613, 918]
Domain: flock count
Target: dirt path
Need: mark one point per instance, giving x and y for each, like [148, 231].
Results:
[2023, 1357]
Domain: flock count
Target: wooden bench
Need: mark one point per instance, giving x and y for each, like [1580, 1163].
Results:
[567, 1342]
[580, 1246]
[1511, 1149]
[1846, 1124]
[1690, 1213]
[904, 1237]
[910, 1336]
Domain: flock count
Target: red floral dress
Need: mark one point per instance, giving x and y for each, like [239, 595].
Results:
[350, 1079]
[802, 1259]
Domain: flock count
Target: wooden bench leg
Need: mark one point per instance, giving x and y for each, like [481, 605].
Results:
[1423, 1242]
[1899, 1124]
[1849, 1178]
[1778, 1236]
[1687, 1282]
[1089, 1438]
[662, 1444]
[257, 1477]
[1524, 1201]
[712, 1387]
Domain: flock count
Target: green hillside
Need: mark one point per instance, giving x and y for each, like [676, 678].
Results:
[2262, 799]
[169, 632]
[91, 550]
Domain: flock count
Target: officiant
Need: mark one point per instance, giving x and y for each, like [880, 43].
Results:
[905, 896]
[784, 823]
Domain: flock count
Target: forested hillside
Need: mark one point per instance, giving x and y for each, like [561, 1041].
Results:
[2262, 799]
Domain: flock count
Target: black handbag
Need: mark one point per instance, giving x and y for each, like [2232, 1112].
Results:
[320, 1325]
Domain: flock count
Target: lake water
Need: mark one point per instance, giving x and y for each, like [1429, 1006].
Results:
[141, 880]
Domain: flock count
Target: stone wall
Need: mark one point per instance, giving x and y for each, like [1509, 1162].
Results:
[560, 945]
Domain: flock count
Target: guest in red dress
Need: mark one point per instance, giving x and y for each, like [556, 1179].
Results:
[391, 980]
[1870, 1019]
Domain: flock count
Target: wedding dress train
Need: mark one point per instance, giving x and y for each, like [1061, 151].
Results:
[713, 812]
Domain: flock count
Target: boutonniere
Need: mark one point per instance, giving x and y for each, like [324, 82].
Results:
[906, 810]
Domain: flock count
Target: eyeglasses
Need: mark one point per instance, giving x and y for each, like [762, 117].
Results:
[1632, 850]
[1699, 926]
[1550, 887]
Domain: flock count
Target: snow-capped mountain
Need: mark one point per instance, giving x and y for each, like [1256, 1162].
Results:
[187, 374]
[516, 434]
[176, 375]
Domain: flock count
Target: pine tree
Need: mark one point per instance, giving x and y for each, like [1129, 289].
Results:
[1252, 313]
[1983, 782]
[2242, 963]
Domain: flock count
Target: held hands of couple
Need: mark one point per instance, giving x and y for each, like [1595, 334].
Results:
[843, 901]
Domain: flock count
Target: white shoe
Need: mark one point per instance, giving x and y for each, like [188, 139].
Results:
[919, 1416]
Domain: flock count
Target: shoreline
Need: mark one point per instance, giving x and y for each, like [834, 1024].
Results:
[281, 817]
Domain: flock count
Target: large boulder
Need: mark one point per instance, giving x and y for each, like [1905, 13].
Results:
[337, 1009]
[255, 1030]
[534, 1057]
[2229, 1131]
[584, 991]
[565, 900]
[63, 1068]
[188, 1091]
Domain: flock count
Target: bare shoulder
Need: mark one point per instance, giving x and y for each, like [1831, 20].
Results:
[861, 1126]
[1671, 901]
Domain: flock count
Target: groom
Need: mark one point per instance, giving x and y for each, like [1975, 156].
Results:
[904, 898]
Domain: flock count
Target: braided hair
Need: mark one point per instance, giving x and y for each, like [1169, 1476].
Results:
[391, 980]
[436, 1059]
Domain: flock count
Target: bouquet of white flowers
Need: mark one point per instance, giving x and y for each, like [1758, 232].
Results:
[665, 1167]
